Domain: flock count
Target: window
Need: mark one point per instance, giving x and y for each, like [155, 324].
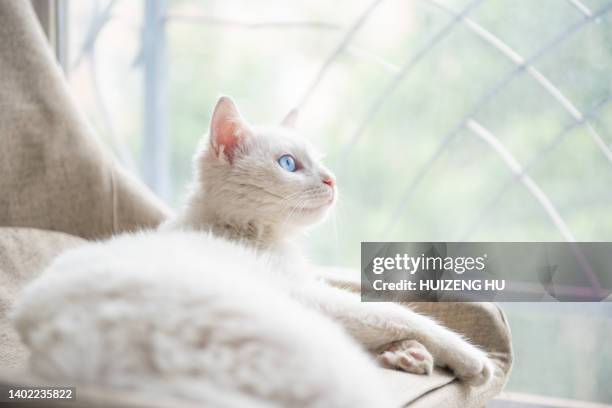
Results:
[433, 114]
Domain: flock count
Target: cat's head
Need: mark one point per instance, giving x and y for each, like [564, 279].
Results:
[269, 175]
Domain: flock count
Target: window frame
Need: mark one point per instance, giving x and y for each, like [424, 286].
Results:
[52, 17]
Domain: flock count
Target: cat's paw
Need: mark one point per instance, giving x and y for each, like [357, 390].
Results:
[472, 365]
[407, 355]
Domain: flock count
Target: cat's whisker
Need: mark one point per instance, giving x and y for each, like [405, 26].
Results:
[292, 196]
[297, 197]
[294, 208]
[300, 204]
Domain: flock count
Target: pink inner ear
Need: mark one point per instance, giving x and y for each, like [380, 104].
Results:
[225, 133]
[227, 128]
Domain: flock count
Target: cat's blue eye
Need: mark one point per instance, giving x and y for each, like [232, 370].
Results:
[287, 162]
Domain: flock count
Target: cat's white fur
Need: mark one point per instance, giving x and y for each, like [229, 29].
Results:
[216, 307]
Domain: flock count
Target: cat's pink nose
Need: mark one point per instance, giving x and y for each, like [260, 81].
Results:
[329, 181]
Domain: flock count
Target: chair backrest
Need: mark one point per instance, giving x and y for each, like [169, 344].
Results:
[54, 173]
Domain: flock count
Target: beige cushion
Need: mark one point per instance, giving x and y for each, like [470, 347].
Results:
[54, 173]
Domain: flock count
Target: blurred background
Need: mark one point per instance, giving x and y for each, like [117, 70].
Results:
[444, 120]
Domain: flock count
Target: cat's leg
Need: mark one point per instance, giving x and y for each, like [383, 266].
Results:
[377, 325]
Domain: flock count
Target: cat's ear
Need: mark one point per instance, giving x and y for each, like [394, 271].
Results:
[227, 128]
[290, 120]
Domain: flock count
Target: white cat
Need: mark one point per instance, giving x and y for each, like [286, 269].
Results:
[216, 307]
